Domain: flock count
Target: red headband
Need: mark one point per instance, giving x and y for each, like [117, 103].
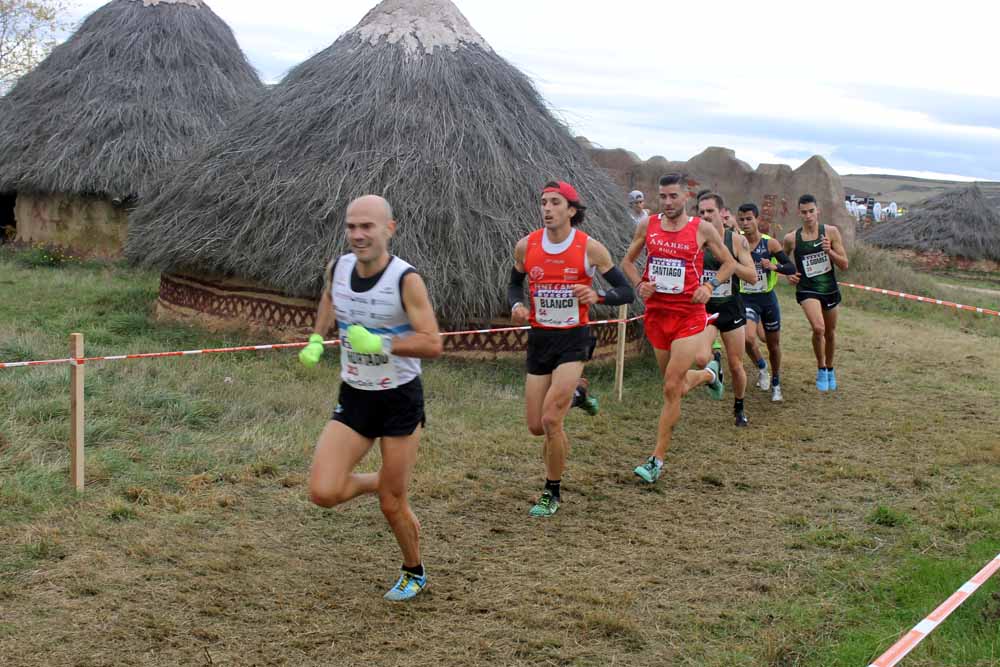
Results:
[566, 190]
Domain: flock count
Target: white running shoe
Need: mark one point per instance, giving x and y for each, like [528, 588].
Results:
[764, 379]
[776, 394]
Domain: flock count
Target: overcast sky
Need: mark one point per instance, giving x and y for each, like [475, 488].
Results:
[880, 86]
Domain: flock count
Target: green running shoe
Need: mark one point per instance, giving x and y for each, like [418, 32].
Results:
[717, 388]
[591, 406]
[547, 505]
[716, 346]
[649, 472]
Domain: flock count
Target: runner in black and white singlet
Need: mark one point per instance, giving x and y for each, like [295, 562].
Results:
[387, 324]
[818, 252]
[760, 301]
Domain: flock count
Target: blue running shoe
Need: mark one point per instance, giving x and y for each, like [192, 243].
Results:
[831, 379]
[822, 380]
[407, 588]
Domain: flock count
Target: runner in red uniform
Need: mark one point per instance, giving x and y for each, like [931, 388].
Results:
[676, 321]
[559, 261]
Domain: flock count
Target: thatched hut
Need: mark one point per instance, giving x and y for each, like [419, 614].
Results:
[135, 88]
[958, 224]
[412, 104]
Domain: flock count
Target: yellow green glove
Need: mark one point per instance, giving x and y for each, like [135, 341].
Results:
[310, 354]
[363, 341]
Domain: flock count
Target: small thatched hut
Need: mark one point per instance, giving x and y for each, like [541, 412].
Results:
[136, 87]
[412, 104]
[959, 223]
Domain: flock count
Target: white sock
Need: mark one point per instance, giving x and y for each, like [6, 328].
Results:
[658, 462]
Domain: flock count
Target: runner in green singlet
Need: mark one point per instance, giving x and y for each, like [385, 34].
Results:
[725, 299]
[818, 252]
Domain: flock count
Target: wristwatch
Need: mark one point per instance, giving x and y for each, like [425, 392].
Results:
[714, 282]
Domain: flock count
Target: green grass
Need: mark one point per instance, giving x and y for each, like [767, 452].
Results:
[875, 267]
[814, 538]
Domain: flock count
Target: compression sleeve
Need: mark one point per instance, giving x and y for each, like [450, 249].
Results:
[785, 265]
[621, 291]
[515, 288]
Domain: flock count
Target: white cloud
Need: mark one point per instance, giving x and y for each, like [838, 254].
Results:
[775, 60]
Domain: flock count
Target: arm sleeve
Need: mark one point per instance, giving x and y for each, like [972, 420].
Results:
[621, 291]
[515, 288]
[785, 265]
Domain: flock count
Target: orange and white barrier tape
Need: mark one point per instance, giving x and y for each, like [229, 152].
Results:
[251, 348]
[909, 642]
[925, 299]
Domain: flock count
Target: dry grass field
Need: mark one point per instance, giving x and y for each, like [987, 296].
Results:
[815, 537]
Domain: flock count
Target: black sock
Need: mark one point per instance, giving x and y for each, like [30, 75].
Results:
[775, 380]
[553, 487]
[738, 405]
[829, 369]
[417, 570]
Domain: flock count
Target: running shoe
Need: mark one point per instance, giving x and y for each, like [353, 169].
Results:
[407, 588]
[547, 505]
[649, 471]
[831, 379]
[717, 388]
[716, 347]
[764, 379]
[741, 419]
[582, 400]
[822, 380]
[776, 396]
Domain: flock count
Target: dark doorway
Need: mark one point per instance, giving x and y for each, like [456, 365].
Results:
[8, 225]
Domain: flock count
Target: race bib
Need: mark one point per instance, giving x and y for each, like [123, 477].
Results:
[723, 290]
[667, 274]
[816, 264]
[371, 372]
[757, 287]
[555, 306]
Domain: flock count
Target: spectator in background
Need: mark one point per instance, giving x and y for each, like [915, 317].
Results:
[635, 201]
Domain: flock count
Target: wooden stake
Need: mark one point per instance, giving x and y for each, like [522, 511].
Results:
[76, 376]
[620, 361]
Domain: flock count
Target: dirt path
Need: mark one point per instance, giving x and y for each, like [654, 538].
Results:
[979, 290]
[245, 571]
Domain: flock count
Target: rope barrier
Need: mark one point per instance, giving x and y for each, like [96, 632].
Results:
[254, 348]
[910, 641]
[924, 299]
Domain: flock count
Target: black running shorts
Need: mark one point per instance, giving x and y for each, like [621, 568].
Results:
[731, 314]
[829, 301]
[374, 414]
[765, 308]
[550, 348]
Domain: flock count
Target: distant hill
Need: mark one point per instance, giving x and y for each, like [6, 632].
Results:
[907, 191]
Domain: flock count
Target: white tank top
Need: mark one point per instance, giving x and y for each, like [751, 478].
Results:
[380, 310]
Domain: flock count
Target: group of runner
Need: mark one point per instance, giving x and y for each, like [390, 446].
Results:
[699, 280]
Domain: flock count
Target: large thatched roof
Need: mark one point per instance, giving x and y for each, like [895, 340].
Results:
[959, 222]
[135, 87]
[411, 104]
